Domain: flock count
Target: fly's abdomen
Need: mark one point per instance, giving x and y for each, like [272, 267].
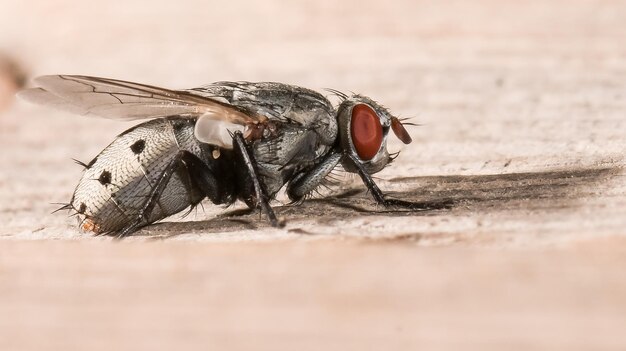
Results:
[118, 183]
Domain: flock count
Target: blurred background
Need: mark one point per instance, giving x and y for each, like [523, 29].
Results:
[522, 113]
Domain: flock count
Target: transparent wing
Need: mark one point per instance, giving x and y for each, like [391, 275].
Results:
[116, 99]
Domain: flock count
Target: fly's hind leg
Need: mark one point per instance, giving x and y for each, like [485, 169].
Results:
[143, 217]
[262, 199]
[305, 183]
[380, 197]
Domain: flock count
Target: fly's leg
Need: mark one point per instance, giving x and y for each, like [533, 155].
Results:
[380, 197]
[142, 217]
[261, 196]
[307, 182]
[219, 191]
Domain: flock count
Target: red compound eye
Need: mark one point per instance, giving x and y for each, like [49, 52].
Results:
[367, 133]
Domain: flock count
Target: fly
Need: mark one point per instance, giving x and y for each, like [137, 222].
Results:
[227, 141]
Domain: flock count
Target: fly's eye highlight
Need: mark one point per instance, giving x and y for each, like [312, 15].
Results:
[366, 131]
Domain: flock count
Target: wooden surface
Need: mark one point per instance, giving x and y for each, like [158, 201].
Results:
[79, 295]
[522, 113]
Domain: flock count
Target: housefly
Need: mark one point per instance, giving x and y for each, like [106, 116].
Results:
[226, 141]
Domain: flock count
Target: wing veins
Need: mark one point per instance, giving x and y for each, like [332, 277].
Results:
[140, 101]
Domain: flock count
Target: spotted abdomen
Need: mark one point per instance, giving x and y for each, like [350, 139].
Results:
[117, 183]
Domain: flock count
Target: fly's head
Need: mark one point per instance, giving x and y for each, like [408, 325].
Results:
[363, 129]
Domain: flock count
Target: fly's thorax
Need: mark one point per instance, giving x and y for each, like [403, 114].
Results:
[288, 150]
[276, 101]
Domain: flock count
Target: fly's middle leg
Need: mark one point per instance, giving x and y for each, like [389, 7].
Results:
[260, 195]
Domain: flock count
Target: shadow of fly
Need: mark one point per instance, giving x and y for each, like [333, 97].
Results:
[227, 141]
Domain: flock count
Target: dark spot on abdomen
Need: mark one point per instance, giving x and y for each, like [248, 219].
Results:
[138, 146]
[105, 178]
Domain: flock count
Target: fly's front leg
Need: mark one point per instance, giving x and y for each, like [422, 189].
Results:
[307, 182]
[143, 216]
[261, 196]
[380, 197]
